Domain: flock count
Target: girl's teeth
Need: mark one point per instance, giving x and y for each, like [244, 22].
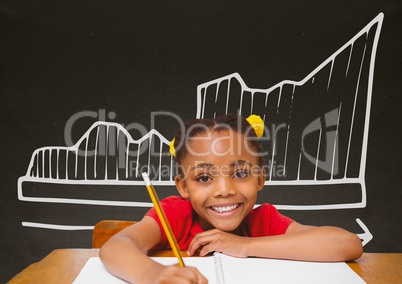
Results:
[225, 209]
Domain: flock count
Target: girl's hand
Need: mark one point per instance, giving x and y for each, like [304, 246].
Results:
[177, 274]
[216, 240]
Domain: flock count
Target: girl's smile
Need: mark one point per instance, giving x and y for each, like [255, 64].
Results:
[225, 208]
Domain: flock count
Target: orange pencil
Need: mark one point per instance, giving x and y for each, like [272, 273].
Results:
[162, 217]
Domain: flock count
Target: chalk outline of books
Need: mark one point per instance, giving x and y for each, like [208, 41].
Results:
[33, 168]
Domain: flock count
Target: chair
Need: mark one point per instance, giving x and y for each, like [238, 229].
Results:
[104, 229]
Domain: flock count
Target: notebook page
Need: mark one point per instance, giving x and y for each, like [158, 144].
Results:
[95, 272]
[240, 270]
[260, 270]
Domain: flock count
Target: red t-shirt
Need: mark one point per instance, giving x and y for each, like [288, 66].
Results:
[264, 220]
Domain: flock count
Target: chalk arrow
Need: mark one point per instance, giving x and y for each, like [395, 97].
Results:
[366, 236]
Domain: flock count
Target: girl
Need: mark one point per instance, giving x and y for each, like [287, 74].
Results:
[220, 172]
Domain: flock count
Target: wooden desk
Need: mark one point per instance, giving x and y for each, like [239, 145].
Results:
[63, 266]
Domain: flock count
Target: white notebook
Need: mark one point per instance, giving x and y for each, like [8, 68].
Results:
[221, 269]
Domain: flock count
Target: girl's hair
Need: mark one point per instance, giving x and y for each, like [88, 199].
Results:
[196, 127]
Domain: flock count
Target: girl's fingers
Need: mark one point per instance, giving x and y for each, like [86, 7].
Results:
[197, 243]
[201, 240]
[192, 275]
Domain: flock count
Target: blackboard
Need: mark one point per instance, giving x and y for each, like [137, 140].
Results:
[69, 67]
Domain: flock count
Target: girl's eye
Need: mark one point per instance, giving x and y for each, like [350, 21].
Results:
[203, 178]
[241, 174]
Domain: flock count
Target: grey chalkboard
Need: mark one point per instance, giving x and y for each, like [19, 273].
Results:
[93, 91]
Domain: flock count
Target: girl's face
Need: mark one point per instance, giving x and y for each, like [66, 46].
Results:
[221, 178]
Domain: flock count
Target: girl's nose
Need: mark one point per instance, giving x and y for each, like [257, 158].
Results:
[224, 187]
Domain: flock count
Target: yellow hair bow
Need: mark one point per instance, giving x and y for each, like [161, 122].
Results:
[257, 124]
[172, 150]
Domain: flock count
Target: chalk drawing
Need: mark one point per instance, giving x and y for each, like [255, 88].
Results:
[82, 163]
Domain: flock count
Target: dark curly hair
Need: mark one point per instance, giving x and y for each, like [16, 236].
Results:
[195, 127]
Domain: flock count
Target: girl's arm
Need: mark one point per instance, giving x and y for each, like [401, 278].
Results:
[124, 255]
[309, 243]
[300, 242]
